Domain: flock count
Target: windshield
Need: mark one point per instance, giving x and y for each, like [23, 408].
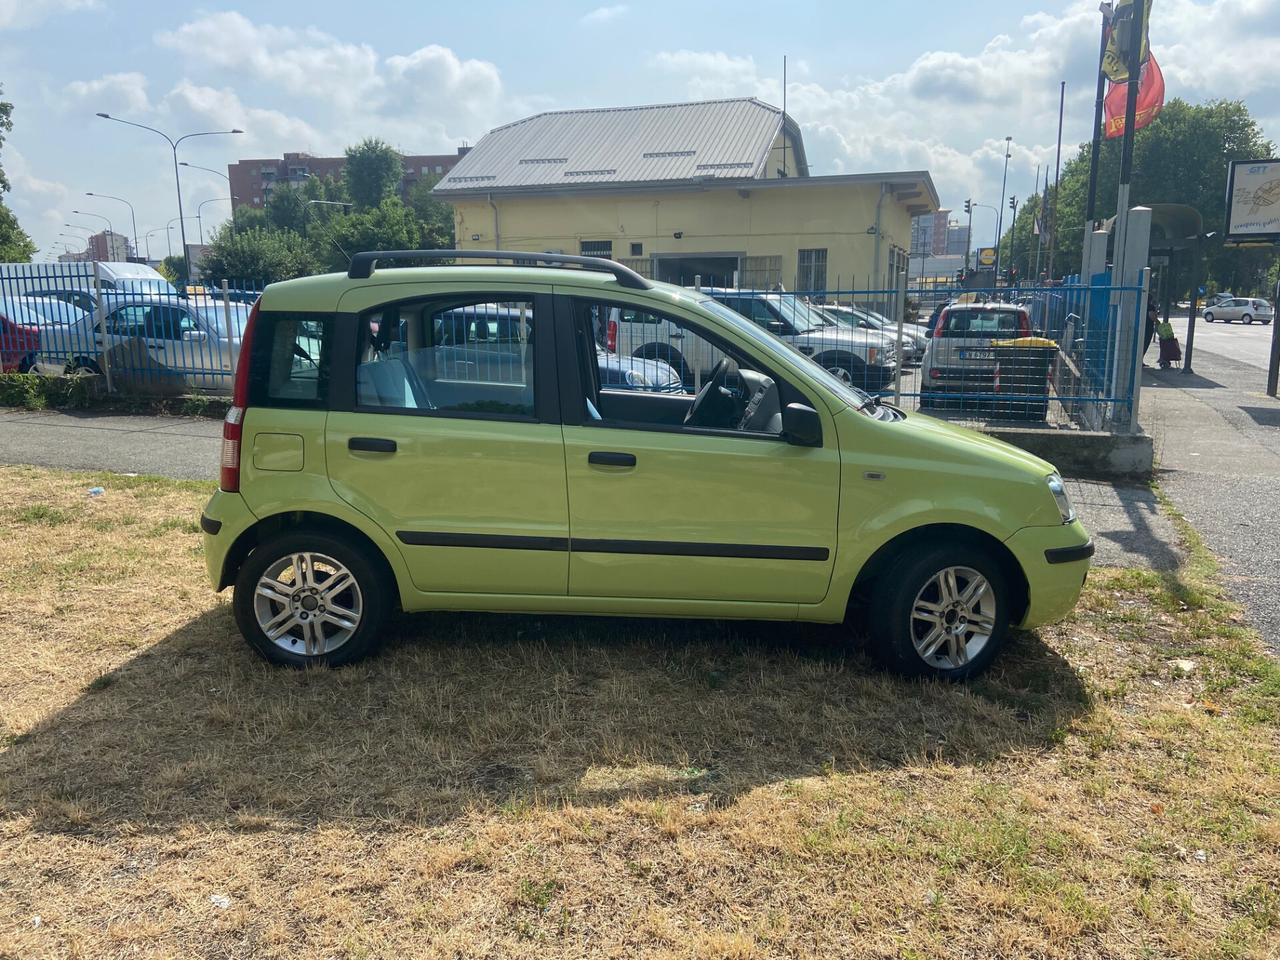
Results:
[144, 285]
[764, 338]
[20, 314]
[798, 313]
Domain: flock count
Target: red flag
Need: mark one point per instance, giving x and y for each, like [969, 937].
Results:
[1150, 100]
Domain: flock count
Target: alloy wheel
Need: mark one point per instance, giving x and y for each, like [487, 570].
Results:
[841, 374]
[308, 603]
[953, 617]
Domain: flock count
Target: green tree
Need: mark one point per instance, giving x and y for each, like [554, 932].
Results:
[1180, 158]
[250, 218]
[15, 244]
[434, 216]
[372, 173]
[174, 269]
[286, 208]
[389, 226]
[258, 256]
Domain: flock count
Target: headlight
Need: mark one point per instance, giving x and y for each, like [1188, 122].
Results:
[1059, 492]
[871, 356]
[637, 379]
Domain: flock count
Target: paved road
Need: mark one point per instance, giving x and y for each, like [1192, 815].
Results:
[170, 446]
[1217, 441]
[1249, 344]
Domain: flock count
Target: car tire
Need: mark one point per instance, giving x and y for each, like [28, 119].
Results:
[847, 367]
[26, 363]
[967, 595]
[669, 356]
[83, 365]
[287, 615]
[1247, 318]
[1208, 318]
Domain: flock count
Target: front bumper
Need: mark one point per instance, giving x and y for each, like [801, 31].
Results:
[1055, 561]
[225, 517]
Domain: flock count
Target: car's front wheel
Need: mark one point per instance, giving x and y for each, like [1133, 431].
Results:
[1208, 318]
[304, 599]
[942, 612]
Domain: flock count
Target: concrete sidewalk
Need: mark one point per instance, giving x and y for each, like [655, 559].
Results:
[1217, 446]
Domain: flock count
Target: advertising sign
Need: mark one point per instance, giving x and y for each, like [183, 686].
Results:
[1253, 201]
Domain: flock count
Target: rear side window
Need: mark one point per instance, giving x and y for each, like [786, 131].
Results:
[981, 323]
[291, 360]
[448, 356]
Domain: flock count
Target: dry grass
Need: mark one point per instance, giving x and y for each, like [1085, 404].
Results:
[525, 787]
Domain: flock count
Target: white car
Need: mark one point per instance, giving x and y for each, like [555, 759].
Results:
[1245, 309]
[914, 340]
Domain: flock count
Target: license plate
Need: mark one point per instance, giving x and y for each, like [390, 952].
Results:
[977, 354]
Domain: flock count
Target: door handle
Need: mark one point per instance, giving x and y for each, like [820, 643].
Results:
[606, 458]
[372, 444]
[675, 336]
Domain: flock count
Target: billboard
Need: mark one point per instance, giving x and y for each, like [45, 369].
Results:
[1253, 201]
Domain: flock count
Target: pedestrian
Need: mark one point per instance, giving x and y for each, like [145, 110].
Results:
[1170, 351]
[1153, 318]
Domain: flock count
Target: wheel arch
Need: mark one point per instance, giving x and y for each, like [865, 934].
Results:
[928, 535]
[299, 520]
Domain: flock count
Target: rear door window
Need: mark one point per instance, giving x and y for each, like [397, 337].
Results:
[981, 323]
[290, 364]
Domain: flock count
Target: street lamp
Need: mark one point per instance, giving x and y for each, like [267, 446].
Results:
[147, 239]
[1004, 182]
[196, 166]
[72, 236]
[200, 223]
[111, 231]
[132, 216]
[177, 182]
[1013, 234]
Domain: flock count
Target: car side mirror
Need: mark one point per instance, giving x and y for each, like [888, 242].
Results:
[194, 336]
[801, 425]
[928, 333]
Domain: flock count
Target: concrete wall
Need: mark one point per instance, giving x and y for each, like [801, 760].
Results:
[777, 220]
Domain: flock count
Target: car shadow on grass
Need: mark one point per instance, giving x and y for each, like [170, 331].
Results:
[467, 711]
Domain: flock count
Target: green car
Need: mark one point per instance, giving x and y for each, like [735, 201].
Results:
[377, 456]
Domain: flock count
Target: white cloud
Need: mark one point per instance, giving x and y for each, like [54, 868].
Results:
[191, 106]
[948, 111]
[112, 93]
[605, 14]
[21, 14]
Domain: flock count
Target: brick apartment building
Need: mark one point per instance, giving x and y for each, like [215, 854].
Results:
[253, 180]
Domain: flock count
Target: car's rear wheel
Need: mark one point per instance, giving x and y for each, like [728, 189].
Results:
[940, 612]
[304, 599]
[1208, 318]
[1247, 318]
[83, 365]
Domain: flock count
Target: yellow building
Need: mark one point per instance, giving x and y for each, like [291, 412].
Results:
[717, 190]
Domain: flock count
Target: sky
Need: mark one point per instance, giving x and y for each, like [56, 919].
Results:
[874, 86]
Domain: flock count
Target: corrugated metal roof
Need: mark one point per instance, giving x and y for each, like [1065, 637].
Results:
[676, 141]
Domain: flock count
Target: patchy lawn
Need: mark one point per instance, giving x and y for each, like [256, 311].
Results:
[539, 787]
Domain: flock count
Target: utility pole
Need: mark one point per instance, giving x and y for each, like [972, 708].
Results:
[1004, 182]
[1013, 237]
[968, 237]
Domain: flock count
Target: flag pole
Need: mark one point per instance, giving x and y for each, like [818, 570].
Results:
[1134, 60]
[1091, 203]
[1034, 275]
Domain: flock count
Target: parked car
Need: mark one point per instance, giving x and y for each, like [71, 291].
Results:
[1245, 309]
[913, 339]
[863, 358]
[181, 341]
[1218, 298]
[355, 479]
[19, 337]
[960, 358]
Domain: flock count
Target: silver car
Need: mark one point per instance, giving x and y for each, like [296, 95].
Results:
[155, 340]
[960, 357]
[1245, 309]
[914, 341]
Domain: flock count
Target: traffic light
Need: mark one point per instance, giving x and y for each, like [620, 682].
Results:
[968, 206]
[1013, 203]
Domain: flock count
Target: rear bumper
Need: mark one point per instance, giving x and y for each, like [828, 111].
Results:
[1055, 561]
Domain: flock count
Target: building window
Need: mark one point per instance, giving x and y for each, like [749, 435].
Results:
[637, 249]
[439, 168]
[257, 201]
[597, 248]
[811, 273]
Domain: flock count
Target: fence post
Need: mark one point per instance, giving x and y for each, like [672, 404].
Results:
[102, 325]
[1138, 349]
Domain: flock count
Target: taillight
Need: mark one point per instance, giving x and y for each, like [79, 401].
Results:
[611, 336]
[1024, 322]
[942, 322]
[233, 423]
[232, 430]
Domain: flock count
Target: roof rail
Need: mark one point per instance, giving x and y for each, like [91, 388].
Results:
[362, 264]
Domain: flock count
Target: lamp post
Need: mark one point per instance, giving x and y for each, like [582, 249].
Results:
[177, 181]
[147, 239]
[181, 221]
[1013, 234]
[111, 231]
[195, 166]
[1004, 182]
[132, 216]
[199, 222]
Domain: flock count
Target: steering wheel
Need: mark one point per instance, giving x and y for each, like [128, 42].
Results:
[713, 400]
